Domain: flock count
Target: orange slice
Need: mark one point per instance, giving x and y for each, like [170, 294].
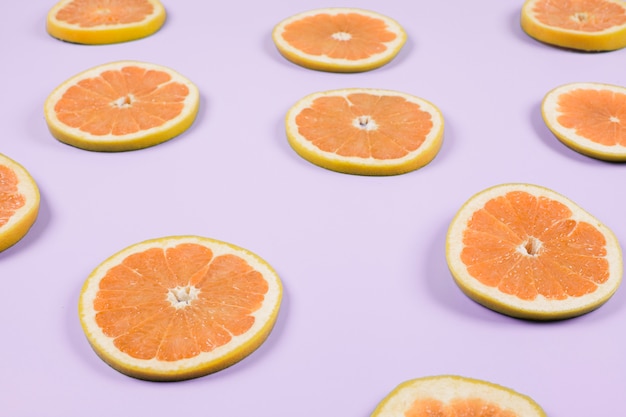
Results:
[589, 118]
[339, 39]
[19, 202]
[365, 131]
[104, 21]
[526, 251]
[451, 395]
[122, 106]
[179, 307]
[587, 25]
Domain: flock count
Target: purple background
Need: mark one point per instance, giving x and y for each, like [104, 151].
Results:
[368, 298]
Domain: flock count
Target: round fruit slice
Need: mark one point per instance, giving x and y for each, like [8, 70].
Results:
[589, 118]
[365, 131]
[587, 25]
[339, 39]
[528, 252]
[450, 395]
[179, 307]
[104, 21]
[122, 106]
[19, 202]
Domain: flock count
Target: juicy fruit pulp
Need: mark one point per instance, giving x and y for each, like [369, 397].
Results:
[122, 106]
[339, 39]
[19, 202]
[589, 118]
[105, 21]
[528, 252]
[365, 131]
[179, 307]
[588, 25]
[450, 395]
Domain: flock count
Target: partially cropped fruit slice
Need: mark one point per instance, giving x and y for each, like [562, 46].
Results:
[587, 25]
[179, 307]
[365, 131]
[339, 39]
[450, 395]
[19, 202]
[529, 252]
[104, 21]
[122, 106]
[589, 118]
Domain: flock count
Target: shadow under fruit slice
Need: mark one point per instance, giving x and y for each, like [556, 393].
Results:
[587, 25]
[98, 22]
[365, 131]
[589, 118]
[122, 106]
[339, 39]
[451, 395]
[179, 307]
[19, 202]
[528, 252]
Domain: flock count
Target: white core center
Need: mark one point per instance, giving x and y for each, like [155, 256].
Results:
[123, 102]
[364, 123]
[614, 119]
[531, 247]
[341, 36]
[580, 17]
[181, 297]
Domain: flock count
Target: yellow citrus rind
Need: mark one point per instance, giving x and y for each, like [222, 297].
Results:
[447, 388]
[412, 161]
[115, 143]
[540, 308]
[605, 40]
[329, 64]
[105, 33]
[23, 219]
[204, 363]
[569, 136]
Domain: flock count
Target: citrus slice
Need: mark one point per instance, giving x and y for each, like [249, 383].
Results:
[365, 131]
[451, 395]
[589, 118]
[19, 202]
[339, 39]
[121, 106]
[586, 25]
[98, 22]
[528, 252]
[179, 307]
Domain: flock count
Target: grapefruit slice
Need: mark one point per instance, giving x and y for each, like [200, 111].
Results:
[529, 252]
[589, 118]
[587, 25]
[451, 395]
[122, 106]
[365, 131]
[19, 202]
[339, 39]
[179, 307]
[98, 22]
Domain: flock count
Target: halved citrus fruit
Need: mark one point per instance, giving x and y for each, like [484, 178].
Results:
[179, 307]
[365, 131]
[529, 252]
[586, 25]
[339, 39]
[122, 106]
[589, 118]
[19, 202]
[451, 395]
[104, 21]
